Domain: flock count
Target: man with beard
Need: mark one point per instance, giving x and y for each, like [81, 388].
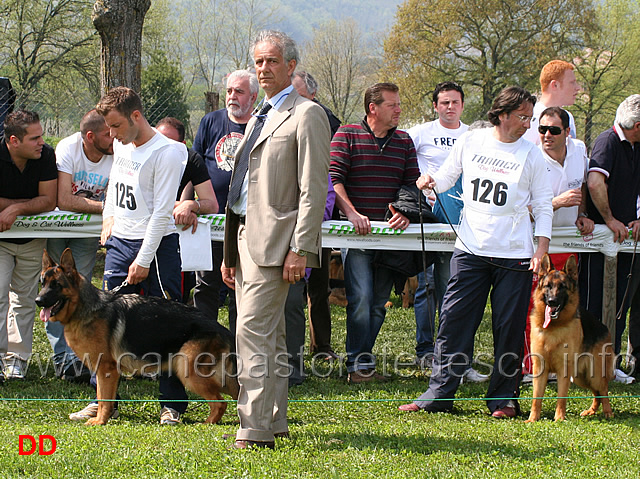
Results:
[219, 134]
[84, 161]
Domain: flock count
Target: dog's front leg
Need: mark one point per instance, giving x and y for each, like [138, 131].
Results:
[539, 385]
[563, 391]
[107, 378]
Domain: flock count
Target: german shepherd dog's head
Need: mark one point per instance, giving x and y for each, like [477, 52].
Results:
[58, 297]
[557, 290]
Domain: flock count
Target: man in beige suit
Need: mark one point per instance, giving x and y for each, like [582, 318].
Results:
[272, 232]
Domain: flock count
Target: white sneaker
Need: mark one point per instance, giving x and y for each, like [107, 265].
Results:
[169, 416]
[90, 411]
[16, 369]
[473, 376]
[622, 377]
[527, 379]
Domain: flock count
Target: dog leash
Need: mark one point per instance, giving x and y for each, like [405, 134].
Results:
[626, 290]
[481, 258]
[118, 288]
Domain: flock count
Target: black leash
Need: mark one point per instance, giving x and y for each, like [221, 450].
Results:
[626, 290]
[481, 258]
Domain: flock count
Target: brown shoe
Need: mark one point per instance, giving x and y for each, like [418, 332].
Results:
[411, 407]
[506, 412]
[365, 376]
[247, 444]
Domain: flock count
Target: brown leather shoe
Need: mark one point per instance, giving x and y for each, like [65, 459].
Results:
[365, 376]
[240, 444]
[411, 407]
[506, 412]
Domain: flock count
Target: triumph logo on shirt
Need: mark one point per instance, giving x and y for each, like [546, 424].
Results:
[127, 163]
[495, 165]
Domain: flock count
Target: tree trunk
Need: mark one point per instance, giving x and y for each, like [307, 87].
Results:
[211, 101]
[119, 23]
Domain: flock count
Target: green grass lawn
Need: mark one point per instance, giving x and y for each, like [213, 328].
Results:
[337, 430]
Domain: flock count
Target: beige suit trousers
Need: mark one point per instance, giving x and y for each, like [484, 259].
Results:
[261, 346]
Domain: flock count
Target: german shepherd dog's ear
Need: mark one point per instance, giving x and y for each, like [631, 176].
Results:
[47, 262]
[545, 266]
[67, 262]
[571, 268]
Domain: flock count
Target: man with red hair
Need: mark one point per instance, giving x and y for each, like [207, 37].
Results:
[559, 88]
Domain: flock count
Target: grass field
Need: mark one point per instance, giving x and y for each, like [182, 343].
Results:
[337, 430]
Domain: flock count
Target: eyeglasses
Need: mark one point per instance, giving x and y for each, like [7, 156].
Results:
[554, 130]
[525, 118]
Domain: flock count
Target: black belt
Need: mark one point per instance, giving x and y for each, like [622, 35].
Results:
[242, 219]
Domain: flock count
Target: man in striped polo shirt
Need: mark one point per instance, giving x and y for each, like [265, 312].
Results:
[370, 161]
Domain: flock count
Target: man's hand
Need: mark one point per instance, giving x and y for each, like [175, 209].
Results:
[585, 225]
[228, 276]
[620, 231]
[541, 250]
[425, 182]
[137, 273]
[7, 218]
[360, 222]
[568, 198]
[398, 221]
[634, 226]
[294, 267]
[183, 215]
[107, 226]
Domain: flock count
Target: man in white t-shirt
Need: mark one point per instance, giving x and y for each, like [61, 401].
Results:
[559, 88]
[433, 141]
[502, 176]
[84, 161]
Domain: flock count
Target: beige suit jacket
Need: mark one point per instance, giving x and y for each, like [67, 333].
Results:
[287, 191]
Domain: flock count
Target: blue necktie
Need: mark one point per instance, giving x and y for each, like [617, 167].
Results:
[243, 162]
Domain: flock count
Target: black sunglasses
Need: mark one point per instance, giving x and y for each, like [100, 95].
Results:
[554, 130]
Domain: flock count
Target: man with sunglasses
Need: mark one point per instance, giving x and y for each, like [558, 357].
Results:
[502, 174]
[567, 163]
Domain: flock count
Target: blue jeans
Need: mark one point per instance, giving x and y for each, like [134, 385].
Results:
[84, 255]
[425, 312]
[164, 276]
[367, 289]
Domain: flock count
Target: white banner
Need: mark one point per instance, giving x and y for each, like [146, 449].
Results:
[335, 234]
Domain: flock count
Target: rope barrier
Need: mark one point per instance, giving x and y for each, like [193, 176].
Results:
[312, 400]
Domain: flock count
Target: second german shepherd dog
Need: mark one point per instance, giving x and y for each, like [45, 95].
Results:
[136, 334]
[569, 341]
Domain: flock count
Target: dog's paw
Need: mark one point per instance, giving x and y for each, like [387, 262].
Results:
[589, 412]
[560, 417]
[94, 421]
[533, 418]
[608, 415]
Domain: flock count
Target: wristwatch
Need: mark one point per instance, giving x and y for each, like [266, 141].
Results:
[298, 251]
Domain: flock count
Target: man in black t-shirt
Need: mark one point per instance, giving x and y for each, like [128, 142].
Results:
[188, 206]
[28, 185]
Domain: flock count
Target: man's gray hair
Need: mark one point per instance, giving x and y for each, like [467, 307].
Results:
[310, 83]
[254, 86]
[282, 41]
[628, 113]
